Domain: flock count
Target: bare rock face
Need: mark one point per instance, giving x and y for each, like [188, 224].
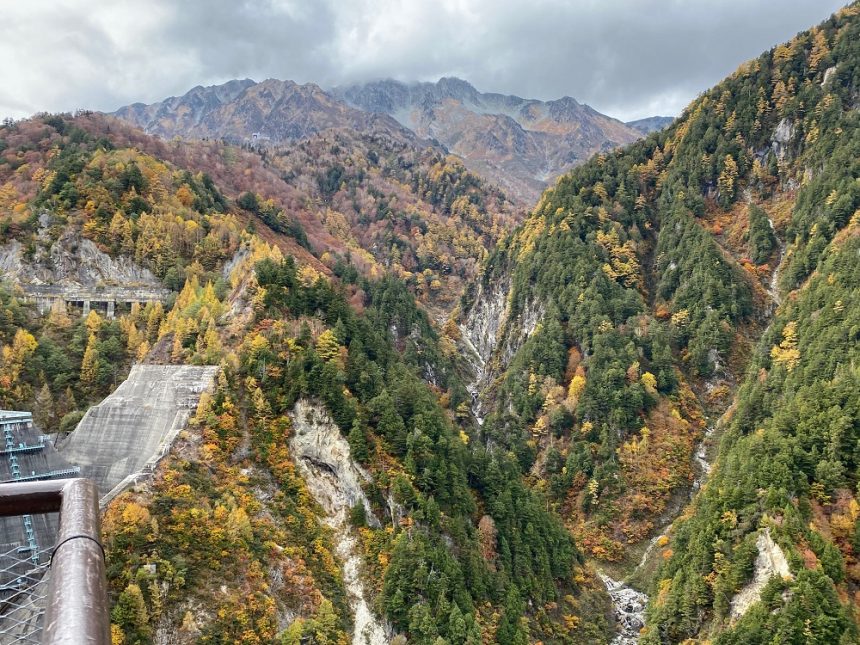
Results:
[782, 138]
[482, 324]
[482, 327]
[334, 479]
[318, 445]
[72, 260]
[491, 338]
[770, 562]
[244, 111]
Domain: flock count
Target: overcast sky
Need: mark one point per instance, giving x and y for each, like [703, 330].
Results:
[627, 58]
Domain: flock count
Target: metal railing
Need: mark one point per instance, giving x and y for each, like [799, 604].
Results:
[77, 605]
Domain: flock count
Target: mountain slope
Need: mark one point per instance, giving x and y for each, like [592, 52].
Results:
[388, 204]
[614, 326]
[521, 144]
[449, 541]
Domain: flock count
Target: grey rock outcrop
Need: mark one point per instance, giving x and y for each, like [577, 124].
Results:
[334, 480]
[75, 261]
[770, 562]
[491, 337]
[782, 138]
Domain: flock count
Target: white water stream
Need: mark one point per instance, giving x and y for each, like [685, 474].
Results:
[629, 610]
[629, 604]
[773, 287]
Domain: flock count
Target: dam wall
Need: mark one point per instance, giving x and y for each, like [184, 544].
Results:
[124, 436]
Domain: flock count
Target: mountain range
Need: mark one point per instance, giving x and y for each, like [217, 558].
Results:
[519, 144]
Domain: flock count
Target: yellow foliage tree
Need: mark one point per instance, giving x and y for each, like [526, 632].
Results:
[328, 347]
[574, 390]
[786, 353]
[90, 363]
[649, 382]
[93, 322]
[727, 178]
[15, 355]
[820, 50]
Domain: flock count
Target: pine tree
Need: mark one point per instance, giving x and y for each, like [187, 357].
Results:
[726, 181]
[209, 344]
[130, 614]
[67, 402]
[177, 351]
[358, 442]
[59, 318]
[262, 409]
[93, 322]
[142, 351]
[134, 340]
[328, 346]
[153, 322]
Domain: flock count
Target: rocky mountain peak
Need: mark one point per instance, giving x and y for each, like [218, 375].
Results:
[456, 88]
[519, 144]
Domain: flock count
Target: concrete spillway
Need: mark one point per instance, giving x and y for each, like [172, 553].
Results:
[128, 432]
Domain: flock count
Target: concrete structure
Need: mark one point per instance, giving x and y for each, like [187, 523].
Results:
[124, 436]
[85, 298]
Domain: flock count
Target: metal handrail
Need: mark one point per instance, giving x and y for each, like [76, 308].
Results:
[77, 610]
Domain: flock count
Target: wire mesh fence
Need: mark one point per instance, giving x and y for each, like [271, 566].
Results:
[24, 574]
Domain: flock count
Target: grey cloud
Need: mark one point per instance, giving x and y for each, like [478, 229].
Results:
[628, 58]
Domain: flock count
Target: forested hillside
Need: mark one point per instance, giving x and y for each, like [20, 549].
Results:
[454, 544]
[387, 204]
[643, 290]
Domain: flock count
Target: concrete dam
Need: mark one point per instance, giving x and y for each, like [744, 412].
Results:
[124, 436]
[118, 441]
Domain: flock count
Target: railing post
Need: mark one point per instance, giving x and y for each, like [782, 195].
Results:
[77, 611]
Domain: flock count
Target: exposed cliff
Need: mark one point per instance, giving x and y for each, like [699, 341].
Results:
[769, 562]
[333, 478]
[70, 260]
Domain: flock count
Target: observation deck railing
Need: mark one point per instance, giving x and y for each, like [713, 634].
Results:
[59, 595]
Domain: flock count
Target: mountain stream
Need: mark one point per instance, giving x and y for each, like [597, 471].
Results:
[629, 604]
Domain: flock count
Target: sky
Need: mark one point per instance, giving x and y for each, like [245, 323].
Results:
[626, 58]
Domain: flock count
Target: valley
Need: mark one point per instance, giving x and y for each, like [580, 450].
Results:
[414, 363]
